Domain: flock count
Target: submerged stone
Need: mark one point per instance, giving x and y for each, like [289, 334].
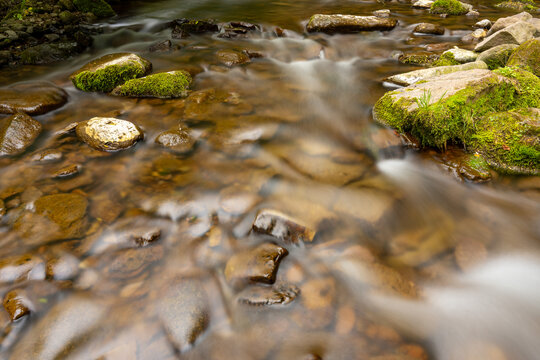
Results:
[268, 296]
[128, 263]
[427, 28]
[17, 133]
[184, 312]
[109, 134]
[338, 23]
[517, 34]
[33, 98]
[21, 267]
[282, 227]
[472, 107]
[426, 74]
[497, 56]
[109, 71]
[49, 53]
[450, 7]
[527, 56]
[259, 264]
[172, 84]
[56, 217]
[178, 139]
[232, 57]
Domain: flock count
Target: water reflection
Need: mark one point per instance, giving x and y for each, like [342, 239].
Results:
[291, 132]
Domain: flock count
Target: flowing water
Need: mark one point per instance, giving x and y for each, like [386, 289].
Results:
[410, 261]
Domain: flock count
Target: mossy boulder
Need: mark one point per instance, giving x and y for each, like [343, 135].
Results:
[518, 6]
[110, 71]
[462, 107]
[461, 56]
[497, 56]
[446, 59]
[420, 58]
[100, 8]
[527, 56]
[172, 84]
[450, 7]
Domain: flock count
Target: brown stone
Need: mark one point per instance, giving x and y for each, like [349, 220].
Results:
[259, 264]
[33, 98]
[17, 133]
[427, 28]
[282, 227]
[16, 304]
[268, 296]
[178, 139]
[232, 57]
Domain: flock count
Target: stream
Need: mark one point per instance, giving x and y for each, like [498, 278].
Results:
[410, 260]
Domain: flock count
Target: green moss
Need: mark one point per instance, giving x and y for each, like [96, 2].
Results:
[417, 59]
[507, 142]
[100, 8]
[518, 6]
[477, 118]
[446, 59]
[478, 164]
[500, 60]
[450, 7]
[527, 56]
[106, 79]
[19, 12]
[164, 85]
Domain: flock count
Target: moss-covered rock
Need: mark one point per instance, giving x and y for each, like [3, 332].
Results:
[497, 56]
[450, 7]
[100, 8]
[461, 56]
[110, 71]
[172, 84]
[518, 6]
[464, 107]
[527, 56]
[420, 58]
[510, 141]
[446, 59]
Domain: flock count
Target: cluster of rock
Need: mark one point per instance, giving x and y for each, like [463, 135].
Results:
[489, 103]
[45, 31]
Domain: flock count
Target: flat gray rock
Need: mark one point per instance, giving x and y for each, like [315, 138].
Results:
[413, 77]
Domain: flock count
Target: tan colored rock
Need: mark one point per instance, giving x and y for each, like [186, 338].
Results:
[338, 23]
[507, 21]
[517, 34]
[109, 134]
[255, 265]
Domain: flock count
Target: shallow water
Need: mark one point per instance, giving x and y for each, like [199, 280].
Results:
[391, 271]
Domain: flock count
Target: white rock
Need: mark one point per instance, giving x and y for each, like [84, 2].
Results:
[412, 77]
[461, 55]
[108, 134]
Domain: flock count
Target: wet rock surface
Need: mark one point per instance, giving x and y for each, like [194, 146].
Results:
[17, 133]
[268, 296]
[109, 71]
[256, 265]
[232, 57]
[282, 227]
[178, 139]
[182, 28]
[109, 134]
[184, 312]
[169, 85]
[331, 24]
[427, 28]
[34, 98]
